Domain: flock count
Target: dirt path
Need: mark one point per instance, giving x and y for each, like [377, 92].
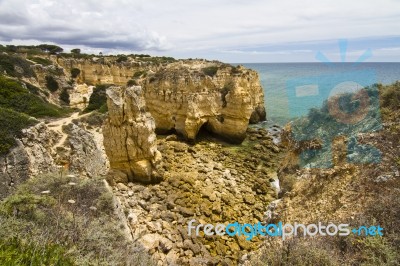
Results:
[58, 124]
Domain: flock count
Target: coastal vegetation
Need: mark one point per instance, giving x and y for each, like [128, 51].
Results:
[356, 194]
[98, 99]
[64, 220]
[17, 106]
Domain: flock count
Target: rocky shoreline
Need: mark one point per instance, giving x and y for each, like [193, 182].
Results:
[212, 182]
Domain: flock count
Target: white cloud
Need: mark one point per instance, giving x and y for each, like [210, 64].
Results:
[197, 27]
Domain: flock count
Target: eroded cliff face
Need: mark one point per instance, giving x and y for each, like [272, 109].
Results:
[43, 149]
[183, 98]
[101, 70]
[32, 156]
[129, 136]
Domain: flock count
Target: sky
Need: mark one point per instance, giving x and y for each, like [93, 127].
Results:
[233, 31]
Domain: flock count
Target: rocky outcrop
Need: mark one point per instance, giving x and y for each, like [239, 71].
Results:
[38, 142]
[102, 70]
[31, 157]
[79, 96]
[183, 96]
[84, 157]
[188, 96]
[129, 136]
[208, 182]
[14, 169]
[39, 151]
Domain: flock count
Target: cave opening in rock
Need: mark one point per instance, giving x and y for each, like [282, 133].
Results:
[205, 134]
[166, 132]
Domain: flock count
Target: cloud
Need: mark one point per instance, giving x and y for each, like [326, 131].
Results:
[92, 24]
[207, 28]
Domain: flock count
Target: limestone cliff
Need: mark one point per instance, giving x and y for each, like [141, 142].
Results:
[79, 96]
[101, 70]
[129, 137]
[182, 96]
[186, 96]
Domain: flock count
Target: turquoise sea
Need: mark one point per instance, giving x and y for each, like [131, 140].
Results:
[292, 88]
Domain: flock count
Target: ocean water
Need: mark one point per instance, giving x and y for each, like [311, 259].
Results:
[291, 89]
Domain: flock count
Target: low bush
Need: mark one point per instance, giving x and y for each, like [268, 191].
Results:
[132, 82]
[139, 74]
[11, 124]
[16, 251]
[51, 83]
[75, 217]
[210, 71]
[390, 96]
[75, 72]
[33, 89]
[122, 58]
[40, 60]
[15, 97]
[15, 66]
[98, 99]
[328, 251]
[64, 96]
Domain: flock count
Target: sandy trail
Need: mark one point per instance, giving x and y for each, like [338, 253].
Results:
[58, 124]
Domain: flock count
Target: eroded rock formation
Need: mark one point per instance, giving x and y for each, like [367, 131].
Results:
[40, 150]
[82, 153]
[129, 136]
[14, 169]
[100, 70]
[182, 97]
[79, 96]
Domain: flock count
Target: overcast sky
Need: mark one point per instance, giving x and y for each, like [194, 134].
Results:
[228, 30]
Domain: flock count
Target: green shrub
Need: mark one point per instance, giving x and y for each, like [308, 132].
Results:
[103, 108]
[33, 89]
[50, 48]
[51, 83]
[17, 98]
[158, 59]
[40, 60]
[75, 72]
[390, 96]
[15, 66]
[64, 96]
[87, 230]
[76, 51]
[210, 71]
[11, 124]
[122, 58]
[297, 252]
[139, 74]
[235, 70]
[98, 99]
[15, 251]
[132, 82]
